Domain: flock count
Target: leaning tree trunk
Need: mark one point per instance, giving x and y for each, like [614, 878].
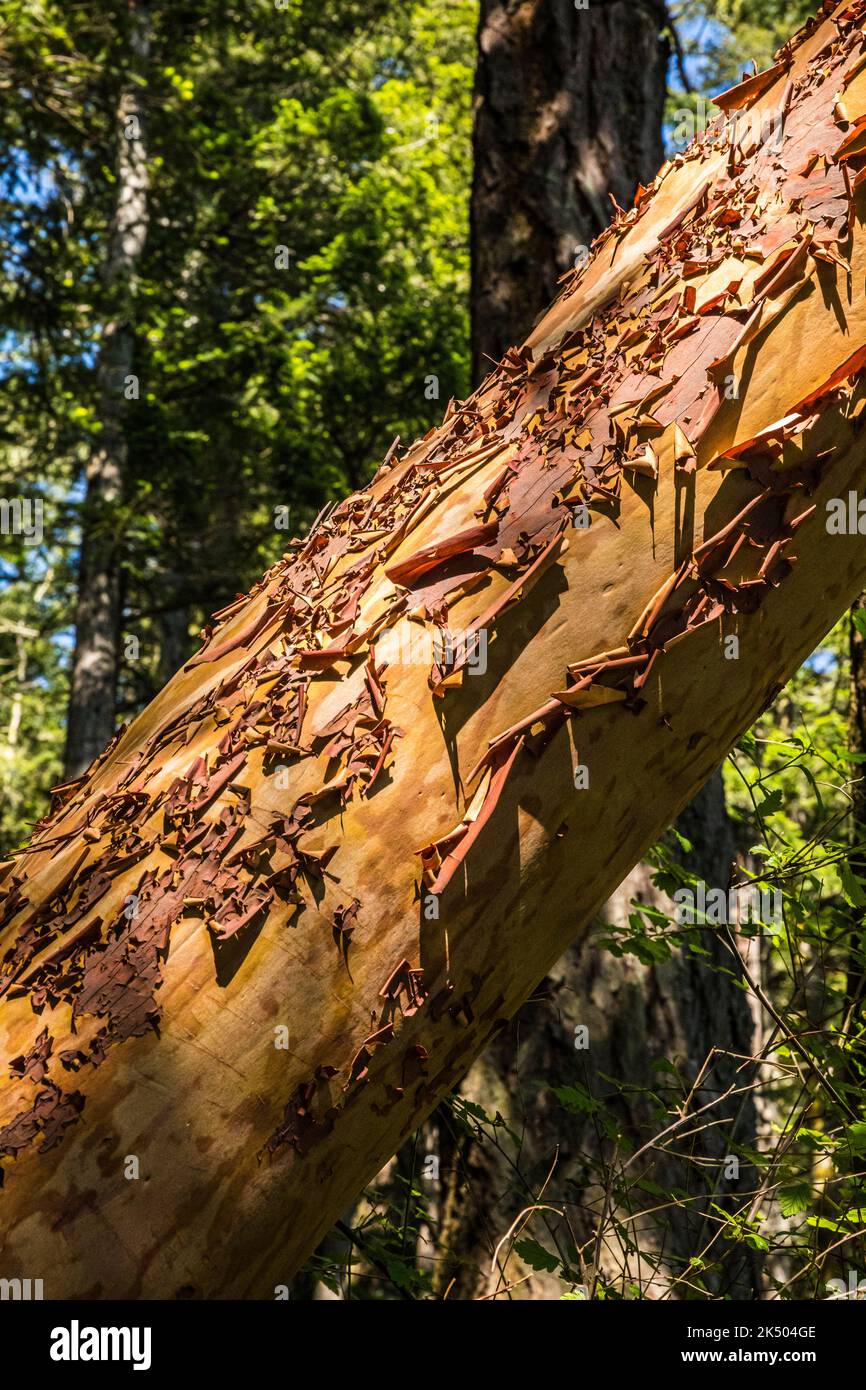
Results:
[98, 612]
[279, 918]
[531, 179]
[568, 114]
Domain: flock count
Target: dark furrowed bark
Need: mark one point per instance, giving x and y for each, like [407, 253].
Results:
[99, 606]
[568, 110]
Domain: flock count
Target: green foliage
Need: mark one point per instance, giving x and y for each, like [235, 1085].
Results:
[722, 39]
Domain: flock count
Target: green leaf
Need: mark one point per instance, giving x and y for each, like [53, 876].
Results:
[576, 1100]
[856, 1136]
[851, 886]
[771, 803]
[535, 1255]
[794, 1199]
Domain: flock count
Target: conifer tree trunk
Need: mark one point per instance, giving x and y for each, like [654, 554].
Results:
[568, 114]
[276, 922]
[99, 606]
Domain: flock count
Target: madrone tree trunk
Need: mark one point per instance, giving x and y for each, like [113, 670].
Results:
[281, 915]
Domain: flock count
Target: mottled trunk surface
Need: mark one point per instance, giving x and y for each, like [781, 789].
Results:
[568, 110]
[99, 605]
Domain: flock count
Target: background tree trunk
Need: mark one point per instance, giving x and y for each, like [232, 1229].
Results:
[568, 110]
[99, 607]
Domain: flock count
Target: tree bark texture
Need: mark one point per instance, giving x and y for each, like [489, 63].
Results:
[99, 605]
[568, 112]
[277, 920]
